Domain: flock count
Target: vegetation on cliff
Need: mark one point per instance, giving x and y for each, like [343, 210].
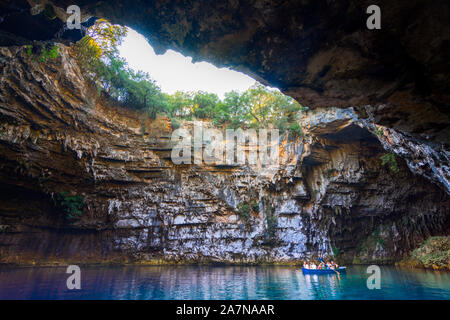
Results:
[71, 205]
[434, 253]
[257, 107]
[245, 209]
[390, 161]
[272, 223]
[44, 53]
[98, 55]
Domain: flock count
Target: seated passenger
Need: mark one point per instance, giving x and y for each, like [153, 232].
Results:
[313, 266]
[306, 265]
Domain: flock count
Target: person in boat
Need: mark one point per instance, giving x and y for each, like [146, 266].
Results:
[312, 266]
[306, 265]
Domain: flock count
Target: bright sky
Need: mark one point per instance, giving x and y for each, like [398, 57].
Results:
[175, 72]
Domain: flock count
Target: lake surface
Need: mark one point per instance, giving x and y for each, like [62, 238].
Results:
[210, 282]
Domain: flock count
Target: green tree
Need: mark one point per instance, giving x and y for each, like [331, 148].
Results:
[204, 104]
[107, 37]
[98, 54]
[258, 100]
[236, 109]
[180, 104]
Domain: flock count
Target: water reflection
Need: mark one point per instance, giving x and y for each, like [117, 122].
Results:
[202, 282]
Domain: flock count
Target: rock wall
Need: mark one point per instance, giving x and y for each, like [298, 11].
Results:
[331, 195]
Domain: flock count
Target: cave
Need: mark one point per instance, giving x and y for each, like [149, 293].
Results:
[369, 93]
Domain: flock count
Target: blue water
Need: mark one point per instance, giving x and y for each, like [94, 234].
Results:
[203, 282]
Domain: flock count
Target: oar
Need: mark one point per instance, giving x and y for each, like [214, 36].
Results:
[339, 275]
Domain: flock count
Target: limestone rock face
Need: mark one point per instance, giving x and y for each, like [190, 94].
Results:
[330, 193]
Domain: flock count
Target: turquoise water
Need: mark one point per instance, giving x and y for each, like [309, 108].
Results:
[230, 282]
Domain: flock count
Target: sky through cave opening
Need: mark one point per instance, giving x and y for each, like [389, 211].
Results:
[174, 72]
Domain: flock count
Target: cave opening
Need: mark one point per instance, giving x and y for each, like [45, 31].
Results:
[122, 64]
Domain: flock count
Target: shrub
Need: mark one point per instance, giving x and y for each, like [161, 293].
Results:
[295, 130]
[255, 206]
[52, 53]
[379, 132]
[175, 123]
[271, 221]
[244, 210]
[45, 53]
[281, 124]
[335, 251]
[72, 205]
[434, 252]
[331, 172]
[390, 160]
[378, 239]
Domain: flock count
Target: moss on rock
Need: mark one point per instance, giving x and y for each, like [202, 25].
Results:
[434, 253]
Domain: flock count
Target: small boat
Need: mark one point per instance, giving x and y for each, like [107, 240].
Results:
[324, 271]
